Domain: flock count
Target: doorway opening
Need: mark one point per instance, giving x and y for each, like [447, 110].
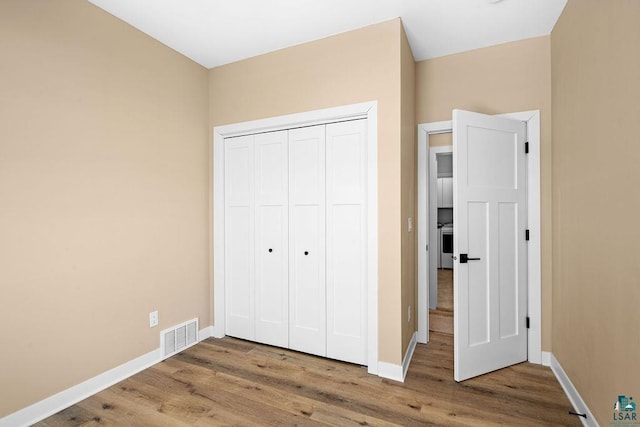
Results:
[441, 293]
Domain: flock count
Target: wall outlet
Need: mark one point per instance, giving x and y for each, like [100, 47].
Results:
[153, 319]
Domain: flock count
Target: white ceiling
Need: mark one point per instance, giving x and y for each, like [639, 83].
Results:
[217, 32]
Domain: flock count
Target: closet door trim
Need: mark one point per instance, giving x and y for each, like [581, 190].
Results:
[367, 110]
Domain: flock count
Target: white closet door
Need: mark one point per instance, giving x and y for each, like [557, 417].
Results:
[346, 241]
[307, 300]
[271, 207]
[239, 237]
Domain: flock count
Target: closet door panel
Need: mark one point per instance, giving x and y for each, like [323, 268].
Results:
[346, 241]
[271, 207]
[307, 300]
[239, 244]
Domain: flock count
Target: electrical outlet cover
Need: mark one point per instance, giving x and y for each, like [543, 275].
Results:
[153, 319]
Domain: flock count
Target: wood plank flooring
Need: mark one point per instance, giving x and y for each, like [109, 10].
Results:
[233, 382]
[445, 289]
[441, 319]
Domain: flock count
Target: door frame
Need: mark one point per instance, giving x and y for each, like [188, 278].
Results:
[366, 110]
[534, 273]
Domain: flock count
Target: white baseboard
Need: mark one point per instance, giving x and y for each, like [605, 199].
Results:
[546, 358]
[398, 372]
[217, 331]
[205, 333]
[59, 401]
[409, 355]
[574, 397]
[390, 371]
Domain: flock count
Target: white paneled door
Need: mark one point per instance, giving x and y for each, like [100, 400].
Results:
[271, 241]
[346, 241]
[239, 235]
[307, 296]
[295, 239]
[490, 277]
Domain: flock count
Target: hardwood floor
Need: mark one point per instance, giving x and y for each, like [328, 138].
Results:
[233, 382]
[441, 319]
[445, 289]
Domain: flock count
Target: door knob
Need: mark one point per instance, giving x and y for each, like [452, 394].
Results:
[306, 252]
[270, 250]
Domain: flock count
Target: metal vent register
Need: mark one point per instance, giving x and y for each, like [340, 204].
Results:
[177, 338]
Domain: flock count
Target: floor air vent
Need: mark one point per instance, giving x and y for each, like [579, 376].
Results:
[177, 338]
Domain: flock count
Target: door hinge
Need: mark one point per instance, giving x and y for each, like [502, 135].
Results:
[528, 322]
[526, 235]
[526, 148]
[427, 249]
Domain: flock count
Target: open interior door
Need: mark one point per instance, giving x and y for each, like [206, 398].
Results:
[490, 263]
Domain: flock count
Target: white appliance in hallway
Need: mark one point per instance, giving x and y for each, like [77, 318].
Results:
[446, 246]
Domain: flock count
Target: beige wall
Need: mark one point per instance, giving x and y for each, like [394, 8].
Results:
[409, 155]
[441, 140]
[357, 66]
[103, 190]
[500, 79]
[596, 236]
[105, 179]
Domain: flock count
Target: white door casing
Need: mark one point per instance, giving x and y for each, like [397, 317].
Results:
[490, 220]
[425, 247]
[271, 238]
[346, 241]
[307, 267]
